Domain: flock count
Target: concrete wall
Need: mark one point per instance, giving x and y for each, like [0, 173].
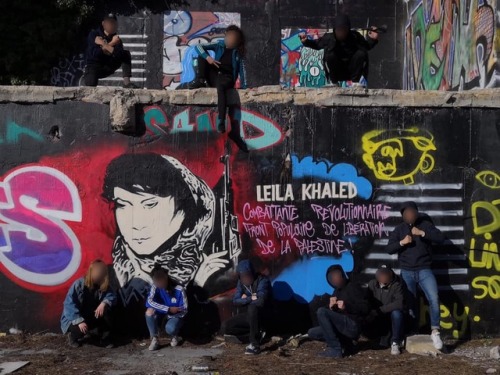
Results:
[322, 184]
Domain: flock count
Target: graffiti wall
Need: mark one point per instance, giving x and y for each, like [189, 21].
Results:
[182, 32]
[452, 45]
[320, 186]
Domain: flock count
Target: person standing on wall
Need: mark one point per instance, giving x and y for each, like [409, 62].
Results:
[105, 54]
[340, 323]
[412, 241]
[386, 318]
[345, 51]
[87, 307]
[222, 70]
[167, 301]
[253, 292]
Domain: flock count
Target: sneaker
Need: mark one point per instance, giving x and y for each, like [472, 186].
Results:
[176, 340]
[252, 349]
[197, 84]
[330, 353]
[395, 350]
[155, 345]
[436, 339]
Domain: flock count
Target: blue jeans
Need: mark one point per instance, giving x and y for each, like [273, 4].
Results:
[427, 282]
[172, 326]
[397, 324]
[335, 327]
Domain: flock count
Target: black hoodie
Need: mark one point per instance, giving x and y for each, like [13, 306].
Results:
[387, 298]
[354, 297]
[418, 254]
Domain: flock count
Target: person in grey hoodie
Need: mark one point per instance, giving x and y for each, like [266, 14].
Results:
[412, 240]
[386, 319]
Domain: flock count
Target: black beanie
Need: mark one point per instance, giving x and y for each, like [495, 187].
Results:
[342, 20]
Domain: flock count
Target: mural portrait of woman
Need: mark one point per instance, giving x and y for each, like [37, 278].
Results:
[164, 214]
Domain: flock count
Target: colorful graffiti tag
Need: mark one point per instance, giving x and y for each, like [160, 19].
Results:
[451, 45]
[183, 30]
[398, 155]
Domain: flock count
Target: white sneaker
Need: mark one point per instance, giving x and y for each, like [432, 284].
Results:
[395, 349]
[436, 339]
[155, 345]
[175, 341]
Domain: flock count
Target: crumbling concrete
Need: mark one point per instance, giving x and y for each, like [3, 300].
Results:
[421, 345]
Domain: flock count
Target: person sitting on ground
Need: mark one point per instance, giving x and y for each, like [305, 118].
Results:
[412, 241]
[386, 319]
[87, 307]
[340, 322]
[345, 51]
[222, 70]
[105, 54]
[253, 291]
[166, 300]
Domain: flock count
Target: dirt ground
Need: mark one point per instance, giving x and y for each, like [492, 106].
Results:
[49, 354]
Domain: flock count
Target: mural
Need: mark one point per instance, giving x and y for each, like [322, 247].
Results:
[452, 45]
[182, 31]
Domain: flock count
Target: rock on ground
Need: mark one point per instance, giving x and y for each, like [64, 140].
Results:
[421, 344]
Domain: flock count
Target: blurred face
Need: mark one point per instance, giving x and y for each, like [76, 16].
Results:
[232, 39]
[410, 216]
[98, 273]
[341, 33]
[110, 26]
[161, 281]
[336, 278]
[247, 278]
[384, 278]
[146, 221]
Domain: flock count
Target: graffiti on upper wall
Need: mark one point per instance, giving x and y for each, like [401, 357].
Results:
[301, 66]
[484, 257]
[68, 72]
[451, 45]
[36, 245]
[182, 31]
[399, 154]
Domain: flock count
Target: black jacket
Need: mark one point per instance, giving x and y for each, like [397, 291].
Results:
[94, 53]
[418, 254]
[388, 298]
[329, 43]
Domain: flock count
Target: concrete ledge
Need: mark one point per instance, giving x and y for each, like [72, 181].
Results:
[326, 97]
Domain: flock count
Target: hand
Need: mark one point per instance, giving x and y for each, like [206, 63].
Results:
[210, 265]
[373, 33]
[99, 41]
[83, 328]
[174, 310]
[333, 302]
[244, 296]
[107, 49]
[100, 310]
[213, 62]
[254, 297]
[115, 40]
[303, 37]
[341, 305]
[407, 240]
[417, 232]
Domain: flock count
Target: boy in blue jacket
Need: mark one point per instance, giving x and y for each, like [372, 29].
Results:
[222, 70]
[165, 300]
[253, 291]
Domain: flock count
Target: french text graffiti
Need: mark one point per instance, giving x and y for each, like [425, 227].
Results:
[399, 154]
[36, 244]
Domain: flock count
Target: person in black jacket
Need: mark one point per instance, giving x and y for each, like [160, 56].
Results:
[386, 319]
[346, 51]
[412, 241]
[105, 54]
[341, 321]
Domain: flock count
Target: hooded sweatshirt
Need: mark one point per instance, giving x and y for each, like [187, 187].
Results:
[260, 286]
[354, 297]
[418, 254]
[389, 297]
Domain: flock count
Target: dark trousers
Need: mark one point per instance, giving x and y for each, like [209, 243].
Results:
[223, 82]
[336, 327]
[387, 328]
[101, 328]
[247, 323]
[94, 71]
[346, 67]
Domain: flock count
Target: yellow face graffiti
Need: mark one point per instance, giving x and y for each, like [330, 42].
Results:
[398, 155]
